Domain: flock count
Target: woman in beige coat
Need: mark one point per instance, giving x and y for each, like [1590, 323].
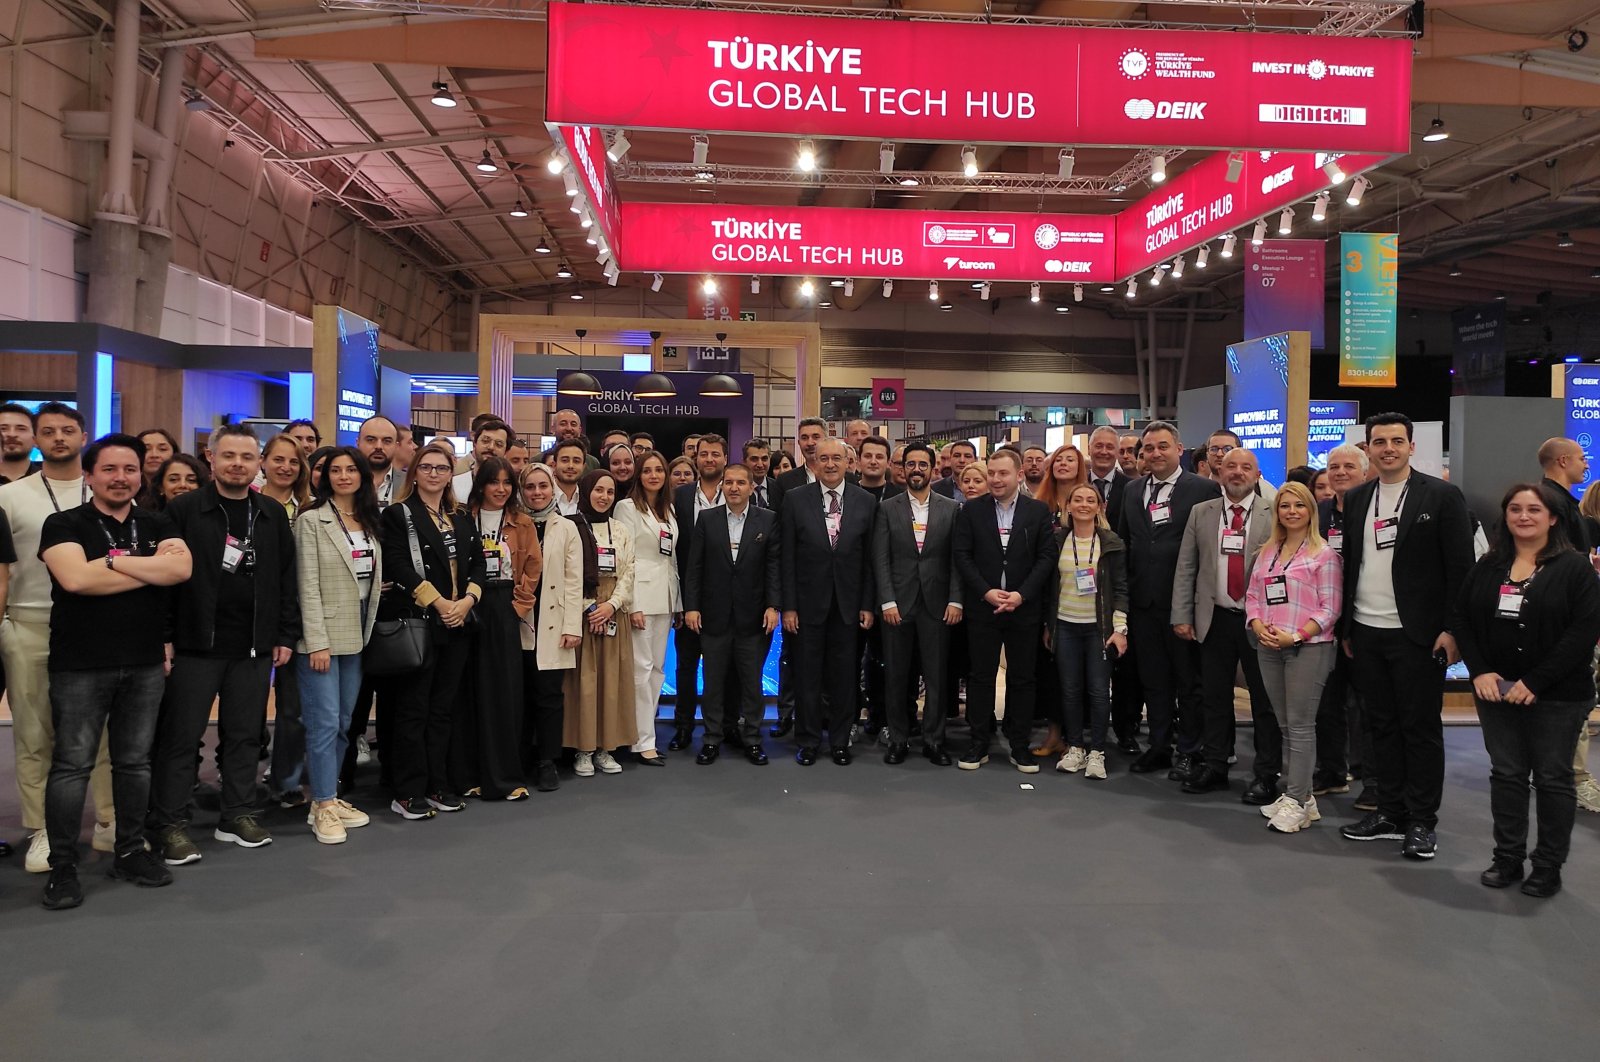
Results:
[552, 629]
[600, 688]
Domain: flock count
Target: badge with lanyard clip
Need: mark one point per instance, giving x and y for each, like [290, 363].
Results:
[1336, 539]
[664, 541]
[606, 559]
[493, 556]
[1511, 596]
[1278, 589]
[1232, 543]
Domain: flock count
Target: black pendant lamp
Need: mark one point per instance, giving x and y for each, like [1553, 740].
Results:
[720, 385]
[655, 385]
[579, 383]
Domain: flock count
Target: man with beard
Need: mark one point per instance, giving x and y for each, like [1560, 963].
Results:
[566, 427]
[1128, 452]
[378, 439]
[689, 503]
[25, 635]
[568, 461]
[1034, 459]
[810, 432]
[307, 434]
[758, 459]
[873, 457]
[16, 443]
[491, 439]
[962, 454]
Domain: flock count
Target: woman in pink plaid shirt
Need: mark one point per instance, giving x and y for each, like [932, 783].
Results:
[1290, 605]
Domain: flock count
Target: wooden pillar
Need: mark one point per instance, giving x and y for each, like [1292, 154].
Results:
[325, 370]
[808, 374]
[495, 357]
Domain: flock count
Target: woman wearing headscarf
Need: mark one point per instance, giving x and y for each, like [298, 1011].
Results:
[551, 632]
[600, 689]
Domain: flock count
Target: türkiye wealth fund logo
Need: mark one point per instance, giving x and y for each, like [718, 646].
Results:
[1136, 64]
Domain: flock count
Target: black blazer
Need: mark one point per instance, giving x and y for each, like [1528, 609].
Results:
[913, 580]
[791, 480]
[1432, 554]
[1119, 487]
[818, 577]
[946, 488]
[399, 569]
[683, 509]
[204, 528]
[1551, 648]
[1580, 529]
[1152, 550]
[1027, 561]
[732, 594]
[774, 492]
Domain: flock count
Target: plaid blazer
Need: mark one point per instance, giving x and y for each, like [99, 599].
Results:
[330, 593]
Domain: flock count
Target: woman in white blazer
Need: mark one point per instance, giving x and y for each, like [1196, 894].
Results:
[552, 630]
[657, 606]
[339, 560]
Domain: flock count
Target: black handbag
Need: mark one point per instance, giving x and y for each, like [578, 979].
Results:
[400, 646]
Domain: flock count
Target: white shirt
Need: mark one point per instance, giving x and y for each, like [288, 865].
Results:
[462, 486]
[1375, 603]
[26, 503]
[702, 503]
[1223, 525]
[1102, 484]
[736, 522]
[385, 489]
[564, 505]
[1161, 489]
[1004, 514]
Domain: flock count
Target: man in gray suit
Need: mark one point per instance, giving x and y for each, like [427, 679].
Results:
[1220, 543]
[921, 598]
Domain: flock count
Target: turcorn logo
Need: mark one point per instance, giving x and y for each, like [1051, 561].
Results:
[954, 262]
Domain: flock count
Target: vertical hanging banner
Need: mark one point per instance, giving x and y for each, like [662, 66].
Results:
[586, 149]
[1478, 366]
[888, 397]
[1283, 288]
[1369, 308]
[720, 305]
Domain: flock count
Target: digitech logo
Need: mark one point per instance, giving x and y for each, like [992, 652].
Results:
[1139, 110]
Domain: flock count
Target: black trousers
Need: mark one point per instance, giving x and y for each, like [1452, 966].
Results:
[1049, 702]
[1333, 722]
[688, 698]
[424, 710]
[1127, 694]
[1228, 645]
[736, 659]
[1532, 741]
[544, 708]
[920, 642]
[872, 677]
[239, 685]
[826, 666]
[786, 694]
[486, 736]
[1170, 673]
[1020, 636]
[1402, 690]
[375, 702]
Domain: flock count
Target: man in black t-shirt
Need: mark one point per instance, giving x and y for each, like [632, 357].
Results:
[110, 565]
[233, 621]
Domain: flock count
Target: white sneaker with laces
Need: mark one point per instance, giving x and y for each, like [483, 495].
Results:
[1289, 818]
[105, 836]
[1072, 761]
[583, 765]
[1312, 814]
[1589, 796]
[350, 815]
[607, 763]
[1272, 808]
[363, 752]
[37, 861]
[1096, 767]
[326, 826]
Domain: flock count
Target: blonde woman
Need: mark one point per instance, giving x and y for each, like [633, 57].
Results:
[973, 481]
[283, 467]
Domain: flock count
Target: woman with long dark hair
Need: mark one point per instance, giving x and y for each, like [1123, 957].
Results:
[159, 445]
[339, 559]
[486, 746]
[314, 465]
[178, 474]
[600, 689]
[1526, 621]
[657, 607]
[430, 555]
[551, 632]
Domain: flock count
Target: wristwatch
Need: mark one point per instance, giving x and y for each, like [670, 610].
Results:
[108, 562]
[1299, 639]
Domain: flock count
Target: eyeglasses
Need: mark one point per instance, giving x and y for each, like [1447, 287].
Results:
[1218, 449]
[433, 470]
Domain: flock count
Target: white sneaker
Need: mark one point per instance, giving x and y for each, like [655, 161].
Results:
[1072, 761]
[607, 763]
[363, 752]
[1589, 796]
[583, 765]
[1272, 808]
[349, 815]
[326, 826]
[1096, 767]
[1289, 818]
[37, 861]
[1312, 814]
[105, 836]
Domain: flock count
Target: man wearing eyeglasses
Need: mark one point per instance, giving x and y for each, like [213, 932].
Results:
[1218, 446]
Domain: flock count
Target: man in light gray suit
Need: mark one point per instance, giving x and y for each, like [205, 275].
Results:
[921, 599]
[1220, 543]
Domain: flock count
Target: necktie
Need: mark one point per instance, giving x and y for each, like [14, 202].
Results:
[1104, 488]
[1236, 560]
[834, 517]
[761, 497]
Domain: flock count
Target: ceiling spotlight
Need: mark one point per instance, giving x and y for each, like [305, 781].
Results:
[612, 273]
[969, 161]
[824, 304]
[1033, 292]
[543, 248]
[1235, 166]
[1333, 172]
[849, 286]
[519, 211]
[1436, 132]
[947, 306]
[441, 95]
[1177, 268]
[1319, 209]
[486, 164]
[888, 288]
[755, 285]
[807, 288]
[1594, 274]
[886, 157]
[1064, 163]
[933, 291]
[585, 220]
[1077, 293]
[1286, 221]
[709, 286]
[1228, 243]
[576, 296]
[656, 282]
[1259, 234]
[196, 102]
[1577, 40]
[619, 146]
[720, 386]
[1062, 307]
[592, 238]
[569, 182]
[1158, 169]
[1133, 287]
[1107, 289]
[702, 148]
[654, 385]
[1203, 256]
[985, 291]
[1499, 296]
[1564, 239]
[807, 159]
[1455, 269]
[563, 270]
[555, 164]
[909, 182]
[1358, 188]
[1155, 275]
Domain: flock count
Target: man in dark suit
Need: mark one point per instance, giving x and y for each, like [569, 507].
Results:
[962, 454]
[1407, 548]
[920, 598]
[689, 503]
[826, 558]
[1004, 550]
[1155, 510]
[765, 491]
[808, 436]
[730, 600]
[1127, 695]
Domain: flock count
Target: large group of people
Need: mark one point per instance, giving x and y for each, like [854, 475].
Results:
[505, 615]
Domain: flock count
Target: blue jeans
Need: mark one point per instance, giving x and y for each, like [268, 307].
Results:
[1085, 672]
[327, 700]
[123, 703]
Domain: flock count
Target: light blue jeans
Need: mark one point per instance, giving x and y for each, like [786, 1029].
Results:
[327, 700]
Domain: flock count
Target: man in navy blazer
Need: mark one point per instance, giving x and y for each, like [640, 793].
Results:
[1155, 510]
[730, 599]
[826, 559]
[1004, 551]
[689, 503]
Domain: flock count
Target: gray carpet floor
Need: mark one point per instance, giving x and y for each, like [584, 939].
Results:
[869, 912]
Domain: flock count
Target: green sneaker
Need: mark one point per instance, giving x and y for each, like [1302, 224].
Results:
[243, 831]
[176, 847]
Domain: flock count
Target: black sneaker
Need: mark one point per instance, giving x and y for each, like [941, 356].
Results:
[1322, 785]
[62, 890]
[1420, 843]
[1022, 759]
[446, 802]
[243, 831]
[1374, 827]
[142, 868]
[975, 756]
[411, 808]
[1543, 883]
[548, 779]
[1368, 800]
[1502, 874]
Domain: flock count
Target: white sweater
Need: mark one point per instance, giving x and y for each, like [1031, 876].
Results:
[26, 504]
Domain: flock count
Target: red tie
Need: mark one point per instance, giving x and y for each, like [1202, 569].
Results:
[1236, 560]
